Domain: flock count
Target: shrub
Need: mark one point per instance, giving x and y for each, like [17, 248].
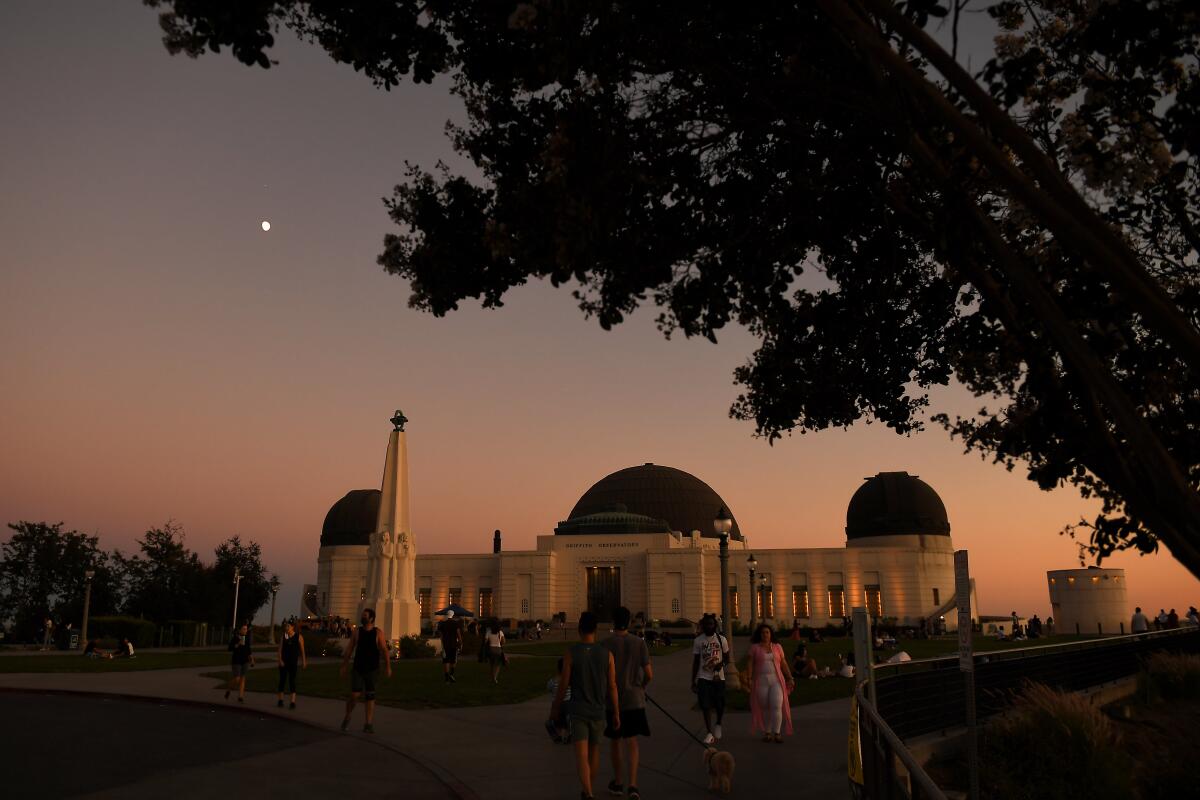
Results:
[1053, 745]
[415, 647]
[139, 631]
[1173, 676]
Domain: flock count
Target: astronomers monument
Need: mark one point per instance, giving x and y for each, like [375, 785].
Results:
[390, 586]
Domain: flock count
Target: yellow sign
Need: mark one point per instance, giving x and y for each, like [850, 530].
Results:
[854, 765]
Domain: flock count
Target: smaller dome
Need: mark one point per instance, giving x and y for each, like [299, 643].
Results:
[615, 521]
[351, 520]
[895, 504]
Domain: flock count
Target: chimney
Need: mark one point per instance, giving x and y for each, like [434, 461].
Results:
[496, 542]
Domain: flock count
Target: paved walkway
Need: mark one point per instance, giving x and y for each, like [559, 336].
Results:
[502, 752]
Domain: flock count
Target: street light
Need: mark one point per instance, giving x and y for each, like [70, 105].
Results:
[237, 584]
[752, 562]
[722, 524]
[763, 583]
[87, 603]
[274, 586]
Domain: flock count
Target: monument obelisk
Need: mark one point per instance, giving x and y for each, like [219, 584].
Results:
[392, 555]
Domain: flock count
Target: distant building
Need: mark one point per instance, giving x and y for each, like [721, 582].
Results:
[1088, 601]
[643, 537]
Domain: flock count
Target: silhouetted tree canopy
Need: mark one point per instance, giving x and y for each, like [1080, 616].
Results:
[825, 174]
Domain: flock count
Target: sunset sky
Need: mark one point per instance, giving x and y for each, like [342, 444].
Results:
[165, 358]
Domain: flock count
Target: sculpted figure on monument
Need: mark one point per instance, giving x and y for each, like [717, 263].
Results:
[387, 560]
[373, 553]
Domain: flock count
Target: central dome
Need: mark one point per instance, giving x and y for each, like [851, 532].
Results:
[661, 494]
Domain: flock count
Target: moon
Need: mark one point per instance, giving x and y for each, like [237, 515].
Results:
[266, 226]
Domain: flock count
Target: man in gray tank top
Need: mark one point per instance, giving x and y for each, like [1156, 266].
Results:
[631, 658]
[589, 671]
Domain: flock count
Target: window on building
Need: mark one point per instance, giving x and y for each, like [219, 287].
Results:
[837, 601]
[524, 605]
[485, 603]
[362, 593]
[456, 595]
[766, 602]
[424, 599]
[735, 610]
[937, 598]
[800, 602]
[674, 605]
[874, 601]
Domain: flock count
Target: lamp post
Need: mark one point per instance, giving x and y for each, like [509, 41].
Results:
[237, 584]
[274, 584]
[762, 594]
[87, 604]
[722, 524]
[752, 562]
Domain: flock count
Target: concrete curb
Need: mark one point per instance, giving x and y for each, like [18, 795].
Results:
[439, 773]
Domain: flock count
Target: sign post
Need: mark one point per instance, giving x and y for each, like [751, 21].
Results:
[864, 662]
[966, 662]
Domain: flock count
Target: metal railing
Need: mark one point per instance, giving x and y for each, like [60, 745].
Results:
[927, 696]
[889, 770]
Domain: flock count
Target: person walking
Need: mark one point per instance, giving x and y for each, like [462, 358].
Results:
[47, 633]
[291, 656]
[451, 635]
[710, 655]
[631, 660]
[770, 684]
[368, 648]
[495, 645]
[242, 649]
[1139, 623]
[589, 671]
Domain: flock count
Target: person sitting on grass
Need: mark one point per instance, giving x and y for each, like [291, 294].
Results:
[124, 650]
[802, 665]
[93, 650]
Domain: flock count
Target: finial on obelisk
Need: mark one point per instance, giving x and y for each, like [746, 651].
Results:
[399, 419]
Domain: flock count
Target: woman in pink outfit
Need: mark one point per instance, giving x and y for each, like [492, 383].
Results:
[770, 684]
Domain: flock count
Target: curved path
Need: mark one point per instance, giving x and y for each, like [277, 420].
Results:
[491, 753]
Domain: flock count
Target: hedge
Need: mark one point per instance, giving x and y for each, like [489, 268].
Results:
[139, 631]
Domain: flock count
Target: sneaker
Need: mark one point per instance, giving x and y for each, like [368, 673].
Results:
[615, 788]
[279, 704]
[717, 731]
[346, 724]
[453, 679]
[368, 728]
[634, 794]
[292, 706]
[709, 738]
[778, 738]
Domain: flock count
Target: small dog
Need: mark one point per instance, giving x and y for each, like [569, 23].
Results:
[720, 769]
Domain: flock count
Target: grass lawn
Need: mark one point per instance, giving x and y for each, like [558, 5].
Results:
[418, 683]
[556, 647]
[144, 661]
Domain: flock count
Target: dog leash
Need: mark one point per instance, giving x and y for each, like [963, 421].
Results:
[682, 727]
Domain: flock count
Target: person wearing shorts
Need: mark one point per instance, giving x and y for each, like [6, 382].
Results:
[369, 649]
[242, 658]
[710, 655]
[494, 639]
[589, 671]
[631, 661]
[451, 635]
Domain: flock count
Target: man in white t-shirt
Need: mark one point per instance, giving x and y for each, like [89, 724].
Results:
[710, 655]
[1139, 623]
